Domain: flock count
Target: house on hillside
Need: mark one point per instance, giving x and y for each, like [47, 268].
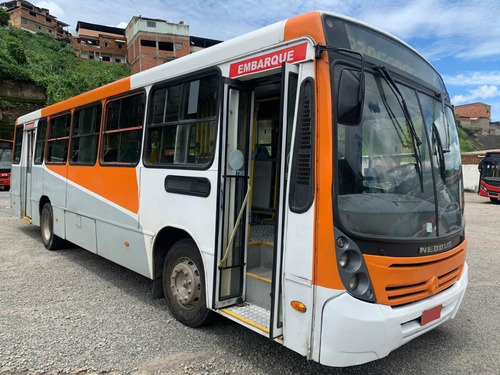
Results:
[98, 42]
[152, 42]
[25, 15]
[478, 116]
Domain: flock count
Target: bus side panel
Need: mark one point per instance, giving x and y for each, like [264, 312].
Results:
[124, 246]
[15, 189]
[81, 231]
[298, 273]
[193, 214]
[37, 177]
[87, 203]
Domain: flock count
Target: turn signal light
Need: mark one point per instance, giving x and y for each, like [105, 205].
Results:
[299, 306]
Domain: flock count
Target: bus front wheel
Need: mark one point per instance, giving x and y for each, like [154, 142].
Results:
[50, 240]
[184, 284]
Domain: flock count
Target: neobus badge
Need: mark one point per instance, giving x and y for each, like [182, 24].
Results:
[268, 61]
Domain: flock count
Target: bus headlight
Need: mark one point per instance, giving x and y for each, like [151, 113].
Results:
[352, 268]
[344, 259]
[353, 282]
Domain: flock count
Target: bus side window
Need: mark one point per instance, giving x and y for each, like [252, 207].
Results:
[85, 135]
[41, 136]
[181, 128]
[122, 132]
[58, 139]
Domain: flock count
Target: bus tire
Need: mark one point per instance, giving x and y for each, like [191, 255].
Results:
[184, 284]
[50, 240]
[494, 199]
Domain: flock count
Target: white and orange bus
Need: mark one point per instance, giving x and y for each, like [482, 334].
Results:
[303, 180]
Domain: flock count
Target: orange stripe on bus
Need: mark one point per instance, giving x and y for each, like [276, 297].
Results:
[325, 272]
[112, 89]
[116, 184]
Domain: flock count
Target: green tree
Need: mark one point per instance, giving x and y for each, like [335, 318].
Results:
[52, 64]
[4, 17]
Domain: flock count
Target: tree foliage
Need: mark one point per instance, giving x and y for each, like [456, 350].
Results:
[4, 17]
[51, 64]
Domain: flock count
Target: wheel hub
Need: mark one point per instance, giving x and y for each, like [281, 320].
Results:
[185, 283]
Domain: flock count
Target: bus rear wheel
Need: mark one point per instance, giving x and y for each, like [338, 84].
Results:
[50, 240]
[184, 284]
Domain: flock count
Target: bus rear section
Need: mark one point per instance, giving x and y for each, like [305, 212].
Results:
[489, 179]
[5, 163]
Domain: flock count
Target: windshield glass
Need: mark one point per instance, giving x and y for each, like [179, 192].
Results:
[491, 170]
[5, 156]
[389, 186]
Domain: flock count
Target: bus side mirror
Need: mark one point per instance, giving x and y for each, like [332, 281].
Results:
[480, 166]
[350, 97]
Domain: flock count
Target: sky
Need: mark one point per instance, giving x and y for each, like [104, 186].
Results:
[461, 38]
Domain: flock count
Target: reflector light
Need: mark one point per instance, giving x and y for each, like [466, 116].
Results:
[299, 306]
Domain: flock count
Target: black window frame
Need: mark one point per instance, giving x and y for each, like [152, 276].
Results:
[80, 136]
[184, 80]
[105, 130]
[39, 157]
[57, 139]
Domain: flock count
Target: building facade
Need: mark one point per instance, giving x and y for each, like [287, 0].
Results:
[473, 111]
[97, 42]
[151, 42]
[26, 16]
[477, 116]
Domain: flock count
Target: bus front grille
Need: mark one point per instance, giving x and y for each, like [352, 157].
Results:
[400, 280]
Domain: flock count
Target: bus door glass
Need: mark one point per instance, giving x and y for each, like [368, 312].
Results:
[29, 141]
[256, 137]
[234, 195]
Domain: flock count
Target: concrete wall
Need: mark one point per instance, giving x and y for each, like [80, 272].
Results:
[471, 177]
[24, 91]
[17, 99]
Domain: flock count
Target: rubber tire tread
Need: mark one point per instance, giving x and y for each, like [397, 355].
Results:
[200, 315]
[54, 242]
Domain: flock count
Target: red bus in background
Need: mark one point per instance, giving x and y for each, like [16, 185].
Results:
[5, 163]
[489, 177]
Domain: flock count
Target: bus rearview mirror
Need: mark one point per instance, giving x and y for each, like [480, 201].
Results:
[350, 97]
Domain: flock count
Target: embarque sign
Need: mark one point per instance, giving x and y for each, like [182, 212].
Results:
[268, 61]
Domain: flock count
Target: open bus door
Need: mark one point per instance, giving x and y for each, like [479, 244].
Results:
[256, 134]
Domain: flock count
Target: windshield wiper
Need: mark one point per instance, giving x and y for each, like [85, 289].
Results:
[416, 142]
[443, 96]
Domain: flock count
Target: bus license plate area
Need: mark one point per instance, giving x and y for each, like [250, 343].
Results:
[430, 315]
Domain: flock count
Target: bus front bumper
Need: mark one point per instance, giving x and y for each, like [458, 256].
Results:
[355, 332]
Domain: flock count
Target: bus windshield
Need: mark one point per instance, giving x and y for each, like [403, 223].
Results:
[398, 172]
[491, 169]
